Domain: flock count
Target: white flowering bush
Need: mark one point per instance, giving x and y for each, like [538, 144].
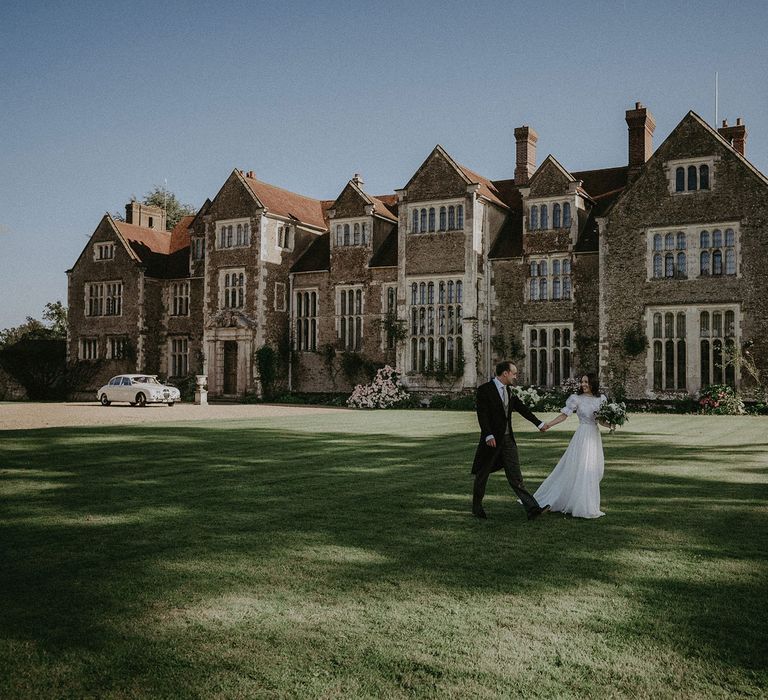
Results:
[385, 391]
[530, 397]
[570, 386]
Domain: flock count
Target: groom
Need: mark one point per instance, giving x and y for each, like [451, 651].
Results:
[497, 448]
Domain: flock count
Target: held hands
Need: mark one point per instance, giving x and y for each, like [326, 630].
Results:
[545, 427]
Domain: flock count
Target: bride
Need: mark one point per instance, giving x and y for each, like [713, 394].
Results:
[574, 484]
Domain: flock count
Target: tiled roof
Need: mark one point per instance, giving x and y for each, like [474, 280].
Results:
[149, 245]
[165, 254]
[386, 254]
[180, 234]
[289, 204]
[509, 242]
[317, 258]
[382, 207]
[599, 182]
[487, 187]
[587, 240]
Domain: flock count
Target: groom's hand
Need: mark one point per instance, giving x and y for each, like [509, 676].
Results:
[491, 442]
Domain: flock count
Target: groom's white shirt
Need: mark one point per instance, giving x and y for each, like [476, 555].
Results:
[502, 389]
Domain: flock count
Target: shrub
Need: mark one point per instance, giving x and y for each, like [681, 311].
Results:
[635, 341]
[720, 399]
[530, 397]
[385, 391]
[187, 386]
[266, 360]
[462, 402]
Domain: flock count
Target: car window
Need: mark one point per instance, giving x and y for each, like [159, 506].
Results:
[114, 381]
[126, 381]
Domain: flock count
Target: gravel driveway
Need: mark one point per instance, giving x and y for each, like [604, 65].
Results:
[29, 415]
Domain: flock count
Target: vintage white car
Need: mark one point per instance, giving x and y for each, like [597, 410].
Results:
[137, 390]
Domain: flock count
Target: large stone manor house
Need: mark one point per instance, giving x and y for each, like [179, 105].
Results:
[648, 273]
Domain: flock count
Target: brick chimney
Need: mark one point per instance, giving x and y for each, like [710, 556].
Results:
[641, 125]
[735, 135]
[525, 165]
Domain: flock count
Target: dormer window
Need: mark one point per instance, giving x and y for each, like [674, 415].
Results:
[449, 217]
[538, 216]
[352, 234]
[690, 175]
[104, 251]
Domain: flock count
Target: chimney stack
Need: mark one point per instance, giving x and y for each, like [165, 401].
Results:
[735, 135]
[358, 180]
[525, 164]
[145, 215]
[641, 125]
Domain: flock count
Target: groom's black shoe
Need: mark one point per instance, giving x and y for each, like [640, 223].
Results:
[536, 512]
[479, 513]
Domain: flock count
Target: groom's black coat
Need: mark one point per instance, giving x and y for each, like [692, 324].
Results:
[490, 415]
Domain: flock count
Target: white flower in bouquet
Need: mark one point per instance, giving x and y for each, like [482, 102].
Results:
[613, 413]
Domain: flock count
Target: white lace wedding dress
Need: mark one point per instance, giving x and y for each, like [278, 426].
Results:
[574, 484]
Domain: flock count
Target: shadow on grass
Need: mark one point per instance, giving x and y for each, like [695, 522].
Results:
[102, 524]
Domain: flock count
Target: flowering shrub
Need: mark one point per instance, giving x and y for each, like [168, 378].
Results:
[720, 399]
[555, 398]
[570, 386]
[530, 397]
[613, 413]
[385, 391]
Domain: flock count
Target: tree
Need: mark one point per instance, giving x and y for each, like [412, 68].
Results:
[56, 314]
[34, 353]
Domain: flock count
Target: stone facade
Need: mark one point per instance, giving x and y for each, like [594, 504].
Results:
[559, 270]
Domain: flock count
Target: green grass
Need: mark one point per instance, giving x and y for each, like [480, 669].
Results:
[335, 556]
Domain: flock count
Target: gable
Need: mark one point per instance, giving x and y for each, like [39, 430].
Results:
[437, 178]
[550, 179]
[692, 138]
[350, 203]
[234, 200]
[106, 232]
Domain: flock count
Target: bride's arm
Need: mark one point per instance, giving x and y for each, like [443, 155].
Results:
[605, 424]
[555, 421]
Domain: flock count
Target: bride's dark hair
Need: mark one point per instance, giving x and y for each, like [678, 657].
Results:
[594, 384]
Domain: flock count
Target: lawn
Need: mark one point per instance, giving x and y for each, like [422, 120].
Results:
[336, 557]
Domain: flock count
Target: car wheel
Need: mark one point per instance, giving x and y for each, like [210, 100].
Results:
[104, 400]
[170, 403]
[141, 400]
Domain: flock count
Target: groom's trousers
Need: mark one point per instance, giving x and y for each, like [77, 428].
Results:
[511, 461]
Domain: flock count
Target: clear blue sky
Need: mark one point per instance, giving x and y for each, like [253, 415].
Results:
[101, 100]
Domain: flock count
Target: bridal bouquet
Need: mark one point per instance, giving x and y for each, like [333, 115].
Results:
[613, 413]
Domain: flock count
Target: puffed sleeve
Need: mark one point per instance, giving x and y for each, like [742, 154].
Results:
[570, 405]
